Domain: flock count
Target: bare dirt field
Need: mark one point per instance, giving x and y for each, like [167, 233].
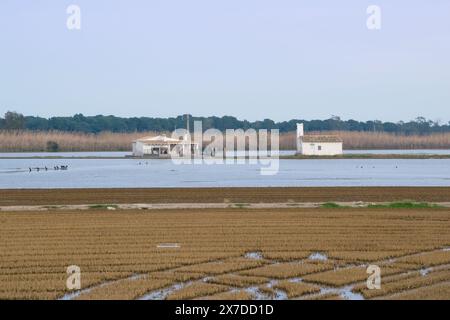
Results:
[221, 195]
[231, 253]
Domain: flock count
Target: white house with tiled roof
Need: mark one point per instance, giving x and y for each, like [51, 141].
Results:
[317, 145]
[163, 146]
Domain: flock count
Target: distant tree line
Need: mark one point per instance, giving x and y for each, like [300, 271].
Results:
[99, 123]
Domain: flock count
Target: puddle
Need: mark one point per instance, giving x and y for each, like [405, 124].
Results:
[76, 294]
[279, 294]
[318, 256]
[348, 294]
[163, 293]
[260, 295]
[345, 292]
[257, 294]
[424, 272]
[254, 255]
[446, 249]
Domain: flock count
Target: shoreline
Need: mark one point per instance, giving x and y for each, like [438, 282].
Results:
[357, 156]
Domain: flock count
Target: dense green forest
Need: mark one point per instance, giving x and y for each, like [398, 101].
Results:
[99, 123]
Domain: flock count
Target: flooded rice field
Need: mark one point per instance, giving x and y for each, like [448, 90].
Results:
[227, 254]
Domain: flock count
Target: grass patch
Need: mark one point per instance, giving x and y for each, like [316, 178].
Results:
[404, 205]
[392, 205]
[331, 205]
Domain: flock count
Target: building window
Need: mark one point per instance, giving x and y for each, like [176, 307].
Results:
[319, 148]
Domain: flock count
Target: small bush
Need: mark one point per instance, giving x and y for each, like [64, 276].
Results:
[52, 146]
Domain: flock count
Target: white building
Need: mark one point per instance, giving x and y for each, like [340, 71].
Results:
[163, 147]
[317, 145]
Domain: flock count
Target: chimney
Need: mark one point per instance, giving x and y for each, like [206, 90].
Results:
[300, 131]
[299, 136]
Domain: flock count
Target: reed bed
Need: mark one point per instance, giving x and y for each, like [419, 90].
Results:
[40, 141]
[354, 140]
[29, 141]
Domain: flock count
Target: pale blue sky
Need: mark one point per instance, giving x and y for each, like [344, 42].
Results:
[253, 59]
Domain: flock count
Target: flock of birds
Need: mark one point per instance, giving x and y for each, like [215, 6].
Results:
[373, 167]
[46, 168]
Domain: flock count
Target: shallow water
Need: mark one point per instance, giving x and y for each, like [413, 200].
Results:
[344, 292]
[348, 294]
[133, 173]
[318, 256]
[424, 272]
[279, 294]
[253, 255]
[257, 294]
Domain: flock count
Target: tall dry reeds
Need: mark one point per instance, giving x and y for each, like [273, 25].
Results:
[30, 141]
[383, 140]
[378, 140]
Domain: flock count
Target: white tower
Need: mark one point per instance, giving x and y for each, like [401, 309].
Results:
[300, 133]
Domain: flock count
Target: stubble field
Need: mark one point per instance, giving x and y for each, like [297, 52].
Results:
[12, 197]
[226, 253]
